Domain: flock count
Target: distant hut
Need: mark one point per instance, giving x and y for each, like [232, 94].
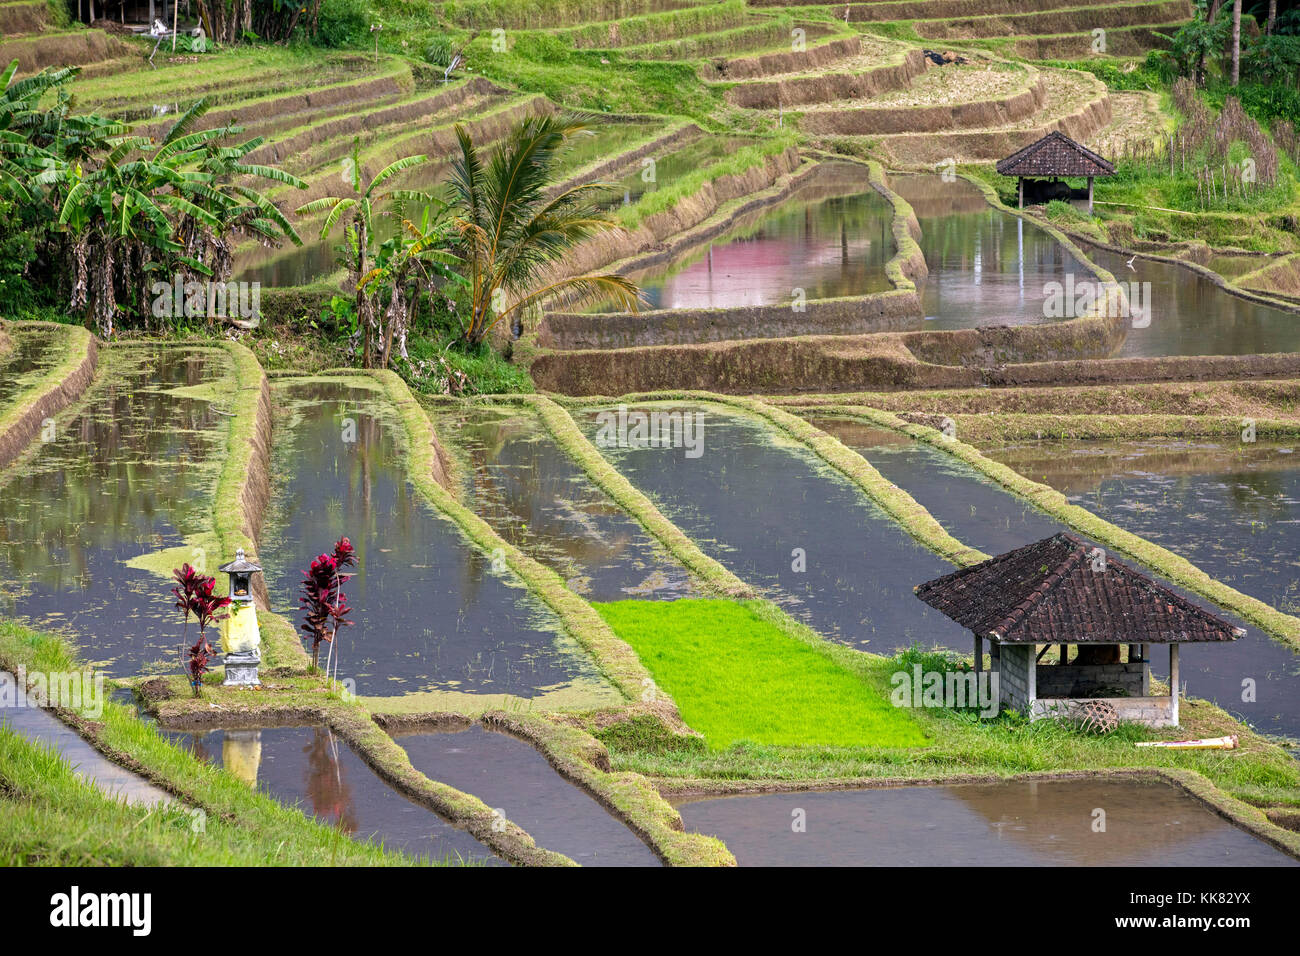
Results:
[1053, 157]
[1062, 591]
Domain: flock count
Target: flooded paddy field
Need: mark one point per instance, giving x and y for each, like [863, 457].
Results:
[33, 353]
[980, 514]
[433, 616]
[510, 776]
[537, 498]
[784, 521]
[1190, 315]
[312, 769]
[987, 267]
[1229, 508]
[92, 521]
[1016, 823]
[831, 238]
[971, 508]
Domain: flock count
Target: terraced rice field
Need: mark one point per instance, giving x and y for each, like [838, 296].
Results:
[571, 648]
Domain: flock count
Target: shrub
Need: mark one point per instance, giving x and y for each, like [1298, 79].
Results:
[342, 23]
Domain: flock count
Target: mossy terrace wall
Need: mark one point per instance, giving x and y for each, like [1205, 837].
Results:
[58, 388]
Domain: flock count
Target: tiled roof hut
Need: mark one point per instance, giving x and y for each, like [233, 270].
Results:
[1053, 157]
[1064, 591]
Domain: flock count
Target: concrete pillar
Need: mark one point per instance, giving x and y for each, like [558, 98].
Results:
[1022, 192]
[1173, 679]
[1089, 195]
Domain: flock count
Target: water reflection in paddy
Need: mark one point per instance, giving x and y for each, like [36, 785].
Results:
[1190, 315]
[432, 613]
[1017, 823]
[765, 507]
[309, 767]
[33, 353]
[509, 775]
[831, 238]
[129, 474]
[986, 267]
[537, 498]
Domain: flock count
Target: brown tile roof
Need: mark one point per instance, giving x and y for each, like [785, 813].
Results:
[1055, 155]
[1049, 593]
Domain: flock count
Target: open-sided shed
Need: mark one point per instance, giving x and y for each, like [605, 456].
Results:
[1055, 156]
[1063, 592]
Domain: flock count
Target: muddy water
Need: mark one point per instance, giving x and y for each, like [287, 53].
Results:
[25, 718]
[537, 498]
[510, 776]
[765, 507]
[987, 267]
[1190, 315]
[1233, 510]
[33, 353]
[312, 769]
[1017, 823]
[828, 240]
[973, 510]
[129, 474]
[431, 613]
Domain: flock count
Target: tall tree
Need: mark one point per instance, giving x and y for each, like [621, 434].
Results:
[1272, 18]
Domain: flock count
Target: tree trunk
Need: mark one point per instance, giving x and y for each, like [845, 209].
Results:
[1214, 11]
[1272, 18]
[1236, 41]
[363, 313]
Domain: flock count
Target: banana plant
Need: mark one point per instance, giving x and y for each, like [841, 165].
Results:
[359, 211]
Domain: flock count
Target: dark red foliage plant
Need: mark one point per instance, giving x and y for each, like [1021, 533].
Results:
[325, 606]
[194, 595]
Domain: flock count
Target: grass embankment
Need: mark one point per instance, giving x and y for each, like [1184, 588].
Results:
[738, 677]
[138, 746]
[49, 817]
[42, 395]
[613, 658]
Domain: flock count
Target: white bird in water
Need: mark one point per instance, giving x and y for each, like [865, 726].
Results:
[1130, 262]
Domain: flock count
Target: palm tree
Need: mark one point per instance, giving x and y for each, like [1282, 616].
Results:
[510, 232]
[361, 205]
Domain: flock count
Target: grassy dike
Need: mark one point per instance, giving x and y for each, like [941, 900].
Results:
[1182, 572]
[716, 578]
[53, 391]
[612, 656]
[47, 809]
[894, 501]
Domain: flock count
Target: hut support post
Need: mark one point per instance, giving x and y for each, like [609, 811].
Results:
[1021, 180]
[979, 657]
[1031, 681]
[1090, 178]
[1173, 680]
